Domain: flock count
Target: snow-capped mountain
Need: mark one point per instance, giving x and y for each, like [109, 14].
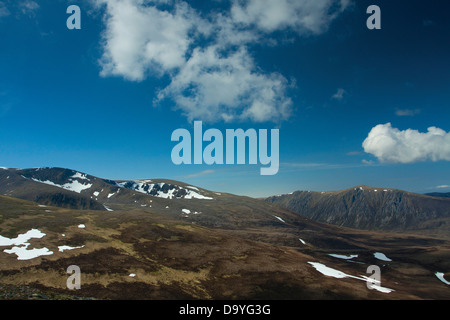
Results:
[164, 190]
[77, 190]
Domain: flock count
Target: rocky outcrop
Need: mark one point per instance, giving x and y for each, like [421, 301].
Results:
[365, 207]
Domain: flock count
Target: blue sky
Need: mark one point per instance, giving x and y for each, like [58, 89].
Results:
[105, 99]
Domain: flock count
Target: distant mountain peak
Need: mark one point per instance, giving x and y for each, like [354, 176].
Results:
[366, 207]
[79, 190]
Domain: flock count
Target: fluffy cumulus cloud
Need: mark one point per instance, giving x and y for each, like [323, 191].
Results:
[303, 16]
[213, 76]
[211, 86]
[390, 144]
[139, 39]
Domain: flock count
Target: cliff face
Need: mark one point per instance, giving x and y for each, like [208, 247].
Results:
[365, 207]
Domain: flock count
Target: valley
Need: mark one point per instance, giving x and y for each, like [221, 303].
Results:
[166, 240]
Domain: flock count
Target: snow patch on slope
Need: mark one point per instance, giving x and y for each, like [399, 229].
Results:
[162, 190]
[20, 245]
[381, 256]
[79, 175]
[62, 248]
[74, 186]
[341, 256]
[330, 272]
[440, 276]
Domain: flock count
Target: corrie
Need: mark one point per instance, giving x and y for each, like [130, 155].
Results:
[189, 151]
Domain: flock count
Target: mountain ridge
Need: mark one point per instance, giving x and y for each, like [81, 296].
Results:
[439, 194]
[157, 242]
[73, 189]
[365, 207]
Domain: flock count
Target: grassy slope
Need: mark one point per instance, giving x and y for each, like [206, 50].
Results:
[177, 258]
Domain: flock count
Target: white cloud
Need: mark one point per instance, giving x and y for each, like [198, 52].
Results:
[304, 16]
[3, 10]
[140, 39]
[390, 144]
[339, 95]
[28, 7]
[407, 112]
[228, 33]
[200, 174]
[213, 77]
[368, 162]
[444, 186]
[212, 85]
[321, 166]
